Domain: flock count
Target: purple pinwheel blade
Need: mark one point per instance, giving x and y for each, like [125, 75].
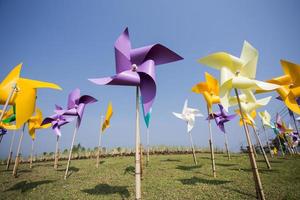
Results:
[47, 120]
[58, 107]
[147, 86]
[73, 98]
[157, 52]
[128, 78]
[221, 127]
[122, 52]
[87, 99]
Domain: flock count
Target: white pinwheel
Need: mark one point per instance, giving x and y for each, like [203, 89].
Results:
[266, 119]
[188, 115]
[236, 72]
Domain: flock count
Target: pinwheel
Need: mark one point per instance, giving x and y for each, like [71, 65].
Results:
[222, 117]
[20, 92]
[239, 73]
[188, 115]
[104, 125]
[57, 121]
[76, 106]
[210, 92]
[289, 89]
[276, 131]
[280, 124]
[136, 67]
[266, 122]
[34, 123]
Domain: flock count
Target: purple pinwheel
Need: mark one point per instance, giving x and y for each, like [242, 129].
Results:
[57, 121]
[76, 105]
[221, 117]
[136, 67]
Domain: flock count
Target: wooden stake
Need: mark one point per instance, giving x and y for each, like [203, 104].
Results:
[15, 170]
[142, 163]
[226, 146]
[31, 156]
[10, 150]
[56, 153]
[261, 147]
[193, 148]
[211, 146]
[148, 146]
[138, 191]
[267, 139]
[99, 145]
[256, 177]
[71, 149]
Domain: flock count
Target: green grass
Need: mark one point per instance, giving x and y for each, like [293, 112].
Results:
[166, 177]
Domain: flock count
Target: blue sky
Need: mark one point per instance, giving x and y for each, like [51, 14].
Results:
[67, 42]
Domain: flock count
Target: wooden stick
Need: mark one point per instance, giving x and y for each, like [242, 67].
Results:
[261, 147]
[71, 149]
[267, 139]
[138, 191]
[15, 170]
[281, 149]
[226, 146]
[193, 148]
[56, 153]
[10, 150]
[148, 146]
[31, 156]
[293, 116]
[211, 146]
[142, 164]
[99, 145]
[256, 177]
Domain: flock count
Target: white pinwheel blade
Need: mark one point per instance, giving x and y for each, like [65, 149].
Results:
[180, 116]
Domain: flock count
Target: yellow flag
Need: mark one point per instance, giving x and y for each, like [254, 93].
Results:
[109, 113]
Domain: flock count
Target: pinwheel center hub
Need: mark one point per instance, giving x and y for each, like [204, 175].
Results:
[134, 67]
[237, 73]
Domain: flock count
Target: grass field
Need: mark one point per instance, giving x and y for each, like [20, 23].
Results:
[166, 177]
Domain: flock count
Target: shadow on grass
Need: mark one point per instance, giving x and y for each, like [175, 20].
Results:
[129, 170]
[188, 168]
[24, 186]
[71, 169]
[259, 170]
[240, 192]
[171, 160]
[194, 180]
[225, 165]
[24, 171]
[105, 189]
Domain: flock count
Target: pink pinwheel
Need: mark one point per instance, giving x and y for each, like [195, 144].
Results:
[76, 105]
[136, 67]
[221, 117]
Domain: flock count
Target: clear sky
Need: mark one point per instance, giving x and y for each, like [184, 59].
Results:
[67, 42]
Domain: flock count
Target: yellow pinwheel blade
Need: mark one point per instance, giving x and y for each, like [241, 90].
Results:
[37, 84]
[293, 70]
[108, 115]
[200, 88]
[212, 84]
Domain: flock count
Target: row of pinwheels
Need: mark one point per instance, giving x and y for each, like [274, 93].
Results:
[136, 67]
[239, 74]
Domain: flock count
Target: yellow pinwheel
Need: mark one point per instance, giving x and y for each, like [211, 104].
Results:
[266, 119]
[35, 122]
[209, 90]
[248, 121]
[109, 113]
[8, 117]
[289, 89]
[21, 92]
[249, 103]
[238, 73]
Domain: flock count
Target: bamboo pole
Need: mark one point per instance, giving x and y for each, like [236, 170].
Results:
[56, 153]
[148, 146]
[226, 146]
[211, 146]
[31, 156]
[138, 191]
[10, 150]
[70, 153]
[261, 147]
[99, 145]
[142, 161]
[256, 177]
[17, 160]
[193, 148]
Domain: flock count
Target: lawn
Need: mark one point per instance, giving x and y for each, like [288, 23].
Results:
[166, 177]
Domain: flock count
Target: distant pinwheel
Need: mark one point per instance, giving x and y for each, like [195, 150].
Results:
[220, 118]
[188, 115]
[266, 122]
